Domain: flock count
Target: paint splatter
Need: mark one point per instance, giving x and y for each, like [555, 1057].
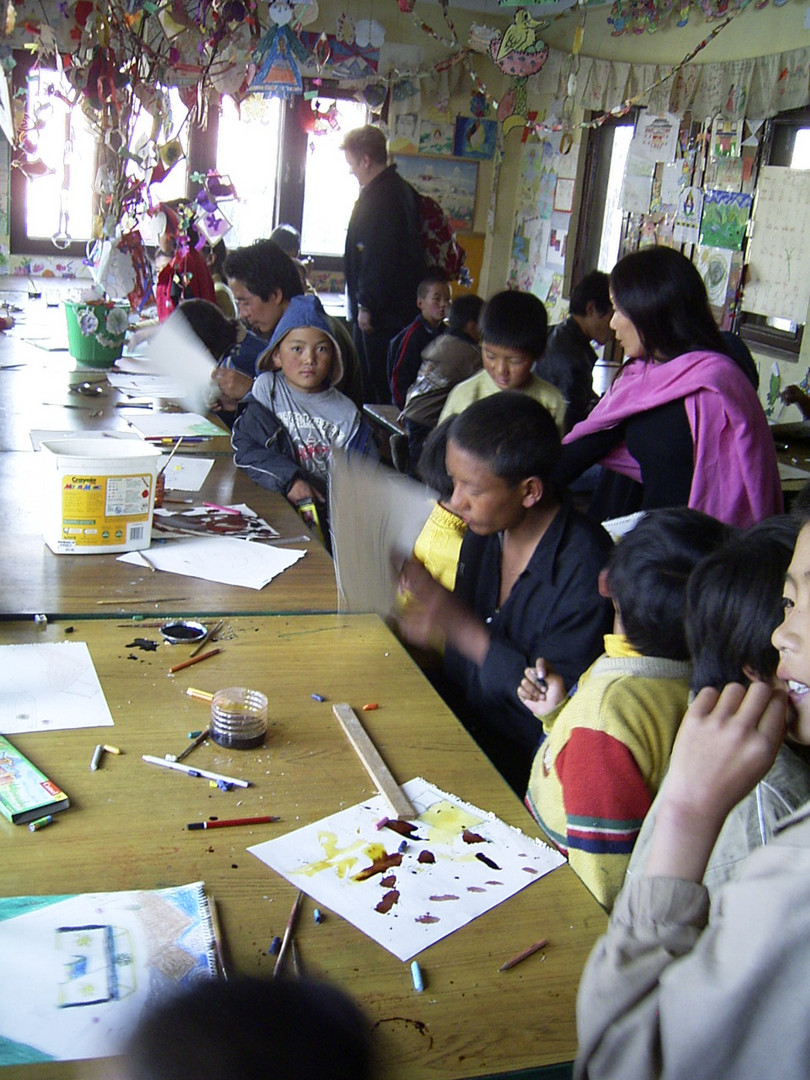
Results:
[142, 643]
[470, 837]
[530, 870]
[494, 883]
[446, 896]
[404, 828]
[381, 865]
[389, 882]
[487, 861]
[387, 902]
[427, 919]
[475, 888]
[426, 857]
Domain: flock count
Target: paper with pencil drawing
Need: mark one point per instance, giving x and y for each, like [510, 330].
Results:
[457, 862]
[77, 972]
[221, 558]
[50, 686]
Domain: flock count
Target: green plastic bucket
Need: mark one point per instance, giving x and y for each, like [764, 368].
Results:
[96, 331]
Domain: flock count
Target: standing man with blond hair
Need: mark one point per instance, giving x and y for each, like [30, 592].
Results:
[383, 260]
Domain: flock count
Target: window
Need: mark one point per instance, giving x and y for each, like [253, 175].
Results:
[330, 191]
[248, 149]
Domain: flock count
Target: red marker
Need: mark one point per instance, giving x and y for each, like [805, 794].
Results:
[231, 821]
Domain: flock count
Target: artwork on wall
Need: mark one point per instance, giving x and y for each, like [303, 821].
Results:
[436, 138]
[725, 217]
[405, 133]
[450, 181]
[475, 138]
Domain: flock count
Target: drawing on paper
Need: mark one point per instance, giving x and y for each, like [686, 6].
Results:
[454, 863]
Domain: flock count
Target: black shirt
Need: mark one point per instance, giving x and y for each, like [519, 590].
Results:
[568, 364]
[554, 610]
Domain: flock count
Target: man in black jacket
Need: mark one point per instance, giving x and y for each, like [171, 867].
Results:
[383, 260]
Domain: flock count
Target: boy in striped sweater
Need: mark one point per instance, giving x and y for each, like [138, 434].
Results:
[595, 776]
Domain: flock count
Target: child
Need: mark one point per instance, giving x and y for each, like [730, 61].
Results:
[513, 336]
[608, 746]
[526, 582]
[733, 605]
[449, 359]
[405, 350]
[294, 416]
[683, 985]
[245, 1028]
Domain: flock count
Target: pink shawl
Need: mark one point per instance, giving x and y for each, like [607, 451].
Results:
[735, 472]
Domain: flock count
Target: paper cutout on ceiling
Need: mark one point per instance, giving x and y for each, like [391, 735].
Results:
[347, 60]
[278, 74]
[520, 52]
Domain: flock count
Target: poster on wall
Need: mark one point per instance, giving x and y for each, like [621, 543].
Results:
[687, 217]
[714, 265]
[655, 138]
[450, 181]
[436, 138]
[725, 218]
[405, 133]
[727, 138]
[475, 138]
[779, 249]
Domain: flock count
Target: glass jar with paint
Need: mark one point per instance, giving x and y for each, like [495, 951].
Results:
[238, 718]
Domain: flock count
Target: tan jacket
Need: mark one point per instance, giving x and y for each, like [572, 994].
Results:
[681, 987]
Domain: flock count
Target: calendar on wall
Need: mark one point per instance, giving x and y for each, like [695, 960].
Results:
[777, 280]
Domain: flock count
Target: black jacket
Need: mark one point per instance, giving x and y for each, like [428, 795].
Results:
[384, 260]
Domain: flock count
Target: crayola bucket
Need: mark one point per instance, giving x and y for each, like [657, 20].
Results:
[99, 495]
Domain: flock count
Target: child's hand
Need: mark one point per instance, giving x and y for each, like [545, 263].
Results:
[437, 613]
[541, 690]
[725, 745]
[301, 490]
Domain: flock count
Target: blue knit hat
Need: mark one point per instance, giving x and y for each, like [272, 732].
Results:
[307, 310]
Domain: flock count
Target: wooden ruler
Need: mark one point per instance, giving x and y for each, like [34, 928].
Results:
[379, 772]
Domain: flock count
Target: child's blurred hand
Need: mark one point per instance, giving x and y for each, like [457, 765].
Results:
[301, 491]
[725, 745]
[541, 689]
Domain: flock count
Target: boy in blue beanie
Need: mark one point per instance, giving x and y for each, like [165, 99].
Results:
[284, 435]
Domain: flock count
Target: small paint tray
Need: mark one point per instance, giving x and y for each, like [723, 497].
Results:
[183, 632]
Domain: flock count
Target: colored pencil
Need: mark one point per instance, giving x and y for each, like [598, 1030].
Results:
[521, 956]
[150, 759]
[288, 933]
[196, 825]
[193, 660]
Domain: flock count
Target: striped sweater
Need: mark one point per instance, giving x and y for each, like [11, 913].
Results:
[595, 776]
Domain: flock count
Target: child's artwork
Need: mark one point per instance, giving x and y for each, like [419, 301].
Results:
[727, 138]
[450, 182]
[725, 217]
[436, 138]
[655, 137]
[239, 521]
[184, 473]
[409, 884]
[50, 686]
[172, 425]
[475, 138]
[714, 265]
[77, 972]
[405, 133]
[687, 216]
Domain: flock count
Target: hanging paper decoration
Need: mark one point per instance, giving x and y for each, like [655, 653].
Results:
[369, 32]
[280, 12]
[278, 75]
[347, 60]
[520, 51]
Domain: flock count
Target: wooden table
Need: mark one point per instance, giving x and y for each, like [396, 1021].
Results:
[125, 830]
[35, 580]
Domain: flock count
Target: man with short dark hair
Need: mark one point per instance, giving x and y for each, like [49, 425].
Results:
[383, 260]
[569, 357]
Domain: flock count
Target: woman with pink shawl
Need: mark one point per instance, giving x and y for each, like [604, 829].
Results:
[681, 417]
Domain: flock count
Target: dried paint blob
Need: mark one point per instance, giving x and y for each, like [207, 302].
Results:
[470, 837]
[387, 902]
[426, 857]
[487, 861]
[427, 919]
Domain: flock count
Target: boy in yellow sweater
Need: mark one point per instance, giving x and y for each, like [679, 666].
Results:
[608, 745]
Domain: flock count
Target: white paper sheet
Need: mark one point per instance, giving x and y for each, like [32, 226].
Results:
[410, 906]
[145, 385]
[50, 686]
[185, 473]
[176, 352]
[233, 562]
[171, 425]
[40, 435]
